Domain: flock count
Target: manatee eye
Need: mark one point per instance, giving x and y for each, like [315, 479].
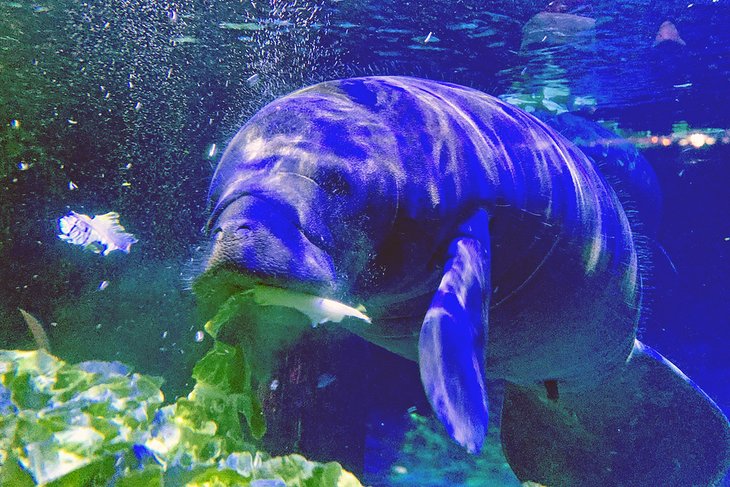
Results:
[243, 229]
[333, 182]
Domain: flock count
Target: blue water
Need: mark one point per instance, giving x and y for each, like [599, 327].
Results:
[126, 106]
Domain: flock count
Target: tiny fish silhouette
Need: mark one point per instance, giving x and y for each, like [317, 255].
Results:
[101, 234]
[668, 32]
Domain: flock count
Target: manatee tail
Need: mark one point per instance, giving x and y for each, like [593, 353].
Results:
[646, 425]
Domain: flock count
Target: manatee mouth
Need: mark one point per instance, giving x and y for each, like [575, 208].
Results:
[216, 287]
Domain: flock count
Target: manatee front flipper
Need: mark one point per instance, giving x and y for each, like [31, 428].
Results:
[451, 347]
[645, 425]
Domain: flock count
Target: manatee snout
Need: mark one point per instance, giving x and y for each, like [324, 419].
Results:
[263, 242]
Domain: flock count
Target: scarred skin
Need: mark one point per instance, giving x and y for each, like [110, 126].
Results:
[356, 189]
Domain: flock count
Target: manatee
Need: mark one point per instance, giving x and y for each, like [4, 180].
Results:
[482, 245]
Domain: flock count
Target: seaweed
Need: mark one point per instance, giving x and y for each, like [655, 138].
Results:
[98, 423]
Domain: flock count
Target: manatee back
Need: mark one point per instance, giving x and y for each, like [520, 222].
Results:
[620, 163]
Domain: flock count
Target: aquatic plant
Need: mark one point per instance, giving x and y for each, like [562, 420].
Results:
[97, 423]
[427, 458]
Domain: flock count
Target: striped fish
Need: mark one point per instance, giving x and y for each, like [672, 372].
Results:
[101, 234]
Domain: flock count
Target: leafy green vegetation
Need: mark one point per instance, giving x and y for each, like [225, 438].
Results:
[97, 423]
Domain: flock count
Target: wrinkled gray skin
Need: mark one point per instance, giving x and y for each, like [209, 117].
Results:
[354, 190]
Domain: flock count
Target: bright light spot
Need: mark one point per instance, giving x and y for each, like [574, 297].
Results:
[697, 140]
[710, 140]
[654, 139]
[683, 142]
[666, 141]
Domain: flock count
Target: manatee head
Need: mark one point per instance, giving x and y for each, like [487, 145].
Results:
[303, 196]
[262, 237]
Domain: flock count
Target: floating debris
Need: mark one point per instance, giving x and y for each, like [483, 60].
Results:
[103, 285]
[15, 123]
[212, 151]
[426, 39]
[199, 336]
[23, 166]
[72, 185]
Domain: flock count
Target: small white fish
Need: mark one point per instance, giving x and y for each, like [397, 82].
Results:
[318, 309]
[102, 234]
